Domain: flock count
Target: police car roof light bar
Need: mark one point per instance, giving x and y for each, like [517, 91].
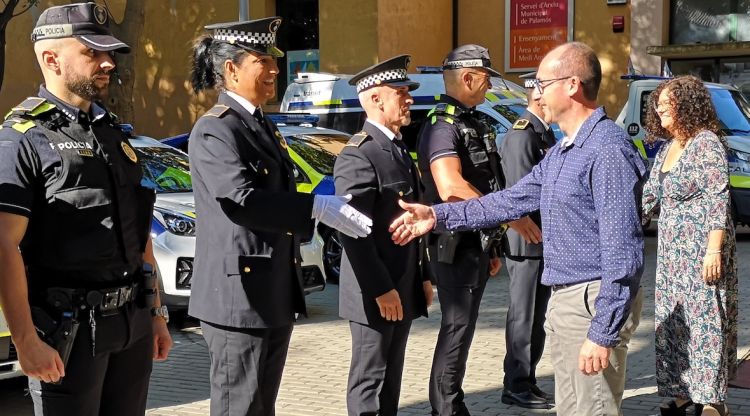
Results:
[293, 118]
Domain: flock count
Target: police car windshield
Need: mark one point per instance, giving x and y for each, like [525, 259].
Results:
[733, 111]
[165, 169]
[318, 150]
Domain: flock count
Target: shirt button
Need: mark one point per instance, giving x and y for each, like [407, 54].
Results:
[247, 269]
[400, 193]
[288, 233]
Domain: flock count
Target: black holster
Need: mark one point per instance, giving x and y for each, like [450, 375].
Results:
[58, 329]
[490, 238]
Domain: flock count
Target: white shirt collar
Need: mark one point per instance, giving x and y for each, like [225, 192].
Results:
[247, 105]
[388, 133]
[97, 111]
[544, 123]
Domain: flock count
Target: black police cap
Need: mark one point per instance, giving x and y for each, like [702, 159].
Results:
[470, 56]
[87, 22]
[258, 36]
[390, 72]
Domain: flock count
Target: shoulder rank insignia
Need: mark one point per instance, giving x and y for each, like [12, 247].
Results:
[217, 111]
[128, 151]
[282, 140]
[358, 139]
[520, 124]
[32, 106]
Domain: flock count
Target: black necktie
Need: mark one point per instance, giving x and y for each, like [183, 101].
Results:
[259, 116]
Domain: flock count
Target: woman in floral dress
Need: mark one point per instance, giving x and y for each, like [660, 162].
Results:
[696, 272]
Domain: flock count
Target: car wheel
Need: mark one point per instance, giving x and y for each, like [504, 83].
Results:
[332, 252]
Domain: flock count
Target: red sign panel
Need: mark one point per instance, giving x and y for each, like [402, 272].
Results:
[534, 28]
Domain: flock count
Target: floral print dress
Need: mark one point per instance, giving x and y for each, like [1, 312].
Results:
[696, 322]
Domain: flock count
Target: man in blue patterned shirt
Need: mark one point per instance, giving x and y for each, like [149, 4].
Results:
[588, 189]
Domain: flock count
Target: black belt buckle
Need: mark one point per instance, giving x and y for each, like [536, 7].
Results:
[110, 302]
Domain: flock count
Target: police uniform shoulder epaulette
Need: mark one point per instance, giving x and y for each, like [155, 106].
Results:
[217, 111]
[358, 139]
[520, 124]
[30, 107]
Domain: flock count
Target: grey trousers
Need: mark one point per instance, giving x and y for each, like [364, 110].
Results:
[246, 368]
[569, 315]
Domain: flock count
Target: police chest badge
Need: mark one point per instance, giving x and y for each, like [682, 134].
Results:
[128, 151]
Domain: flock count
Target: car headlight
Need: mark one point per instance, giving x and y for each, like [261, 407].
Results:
[177, 224]
[740, 155]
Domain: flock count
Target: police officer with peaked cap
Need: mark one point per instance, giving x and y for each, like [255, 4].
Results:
[523, 147]
[75, 252]
[382, 287]
[458, 160]
[247, 284]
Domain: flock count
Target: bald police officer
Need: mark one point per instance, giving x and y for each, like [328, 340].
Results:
[247, 284]
[458, 160]
[71, 201]
[523, 147]
[382, 286]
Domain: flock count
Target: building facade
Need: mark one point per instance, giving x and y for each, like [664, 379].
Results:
[344, 36]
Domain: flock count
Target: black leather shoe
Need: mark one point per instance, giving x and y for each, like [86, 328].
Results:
[549, 397]
[526, 399]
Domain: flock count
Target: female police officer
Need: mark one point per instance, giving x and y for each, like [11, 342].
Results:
[250, 220]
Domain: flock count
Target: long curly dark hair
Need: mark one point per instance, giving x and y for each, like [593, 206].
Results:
[691, 108]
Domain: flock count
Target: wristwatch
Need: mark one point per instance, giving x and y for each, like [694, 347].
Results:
[161, 311]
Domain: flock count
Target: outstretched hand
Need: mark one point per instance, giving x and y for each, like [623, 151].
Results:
[417, 221]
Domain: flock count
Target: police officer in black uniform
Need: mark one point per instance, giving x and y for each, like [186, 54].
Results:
[458, 160]
[247, 284]
[75, 252]
[382, 287]
[523, 147]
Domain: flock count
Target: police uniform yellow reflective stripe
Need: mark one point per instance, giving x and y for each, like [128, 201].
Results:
[23, 127]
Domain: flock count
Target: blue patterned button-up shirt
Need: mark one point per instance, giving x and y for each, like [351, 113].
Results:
[589, 196]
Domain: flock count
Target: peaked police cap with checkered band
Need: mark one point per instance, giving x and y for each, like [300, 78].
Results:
[529, 80]
[87, 22]
[255, 35]
[470, 56]
[391, 72]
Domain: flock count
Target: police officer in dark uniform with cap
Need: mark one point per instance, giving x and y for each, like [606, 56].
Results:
[247, 284]
[523, 147]
[458, 160]
[75, 253]
[382, 286]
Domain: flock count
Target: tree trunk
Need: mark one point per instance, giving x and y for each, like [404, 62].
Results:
[121, 94]
[5, 17]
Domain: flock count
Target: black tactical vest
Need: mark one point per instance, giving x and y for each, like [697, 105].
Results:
[90, 217]
[477, 151]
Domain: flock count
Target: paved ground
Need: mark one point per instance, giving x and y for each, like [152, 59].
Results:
[315, 379]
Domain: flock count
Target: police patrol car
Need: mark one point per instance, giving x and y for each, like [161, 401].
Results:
[330, 97]
[734, 115]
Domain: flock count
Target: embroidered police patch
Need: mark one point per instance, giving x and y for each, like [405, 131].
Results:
[128, 151]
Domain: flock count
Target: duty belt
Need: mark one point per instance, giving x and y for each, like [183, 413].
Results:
[106, 301]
